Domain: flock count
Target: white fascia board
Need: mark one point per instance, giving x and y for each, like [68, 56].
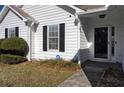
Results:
[76, 8]
[3, 9]
[3, 12]
[107, 6]
[93, 11]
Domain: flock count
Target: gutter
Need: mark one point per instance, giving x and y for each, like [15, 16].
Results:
[78, 37]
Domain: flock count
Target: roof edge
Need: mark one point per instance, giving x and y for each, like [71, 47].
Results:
[67, 8]
[17, 13]
[5, 11]
[93, 10]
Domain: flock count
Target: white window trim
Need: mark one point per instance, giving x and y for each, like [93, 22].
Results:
[52, 50]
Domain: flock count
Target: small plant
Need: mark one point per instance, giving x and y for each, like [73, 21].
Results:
[11, 59]
[60, 64]
[70, 64]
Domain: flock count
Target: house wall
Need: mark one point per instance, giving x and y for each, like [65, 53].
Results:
[49, 15]
[114, 18]
[12, 20]
[84, 50]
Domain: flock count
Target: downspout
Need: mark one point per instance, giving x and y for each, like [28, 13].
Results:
[78, 37]
[78, 28]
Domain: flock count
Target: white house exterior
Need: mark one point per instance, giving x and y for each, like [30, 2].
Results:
[72, 32]
[45, 16]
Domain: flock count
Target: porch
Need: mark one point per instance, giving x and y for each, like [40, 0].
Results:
[102, 32]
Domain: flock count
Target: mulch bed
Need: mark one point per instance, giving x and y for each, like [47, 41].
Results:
[112, 77]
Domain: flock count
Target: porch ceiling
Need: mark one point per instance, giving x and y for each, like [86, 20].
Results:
[110, 11]
[94, 14]
[89, 7]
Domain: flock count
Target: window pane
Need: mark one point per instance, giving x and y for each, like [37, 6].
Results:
[53, 37]
[53, 31]
[11, 32]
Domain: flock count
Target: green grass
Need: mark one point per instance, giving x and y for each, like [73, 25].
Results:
[35, 74]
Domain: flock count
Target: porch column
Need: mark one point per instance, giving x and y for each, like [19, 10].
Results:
[29, 43]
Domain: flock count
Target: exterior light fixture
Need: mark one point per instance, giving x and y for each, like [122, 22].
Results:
[102, 16]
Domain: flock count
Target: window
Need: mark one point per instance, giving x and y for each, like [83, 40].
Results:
[11, 32]
[53, 37]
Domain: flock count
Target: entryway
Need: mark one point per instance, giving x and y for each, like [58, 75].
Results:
[101, 42]
[104, 43]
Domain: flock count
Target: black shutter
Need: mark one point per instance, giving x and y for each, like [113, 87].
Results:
[44, 38]
[62, 38]
[17, 31]
[6, 32]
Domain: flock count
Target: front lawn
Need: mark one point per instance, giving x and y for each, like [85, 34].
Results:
[36, 74]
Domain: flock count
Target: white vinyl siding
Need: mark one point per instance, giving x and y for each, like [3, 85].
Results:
[84, 49]
[11, 20]
[48, 15]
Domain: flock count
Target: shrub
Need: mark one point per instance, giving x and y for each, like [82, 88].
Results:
[11, 59]
[15, 46]
[1, 40]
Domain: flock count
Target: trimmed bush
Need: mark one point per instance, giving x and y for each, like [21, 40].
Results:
[11, 59]
[1, 40]
[15, 46]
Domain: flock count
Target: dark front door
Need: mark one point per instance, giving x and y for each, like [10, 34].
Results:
[101, 42]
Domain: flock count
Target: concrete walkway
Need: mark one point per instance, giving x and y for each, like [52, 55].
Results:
[77, 80]
[94, 71]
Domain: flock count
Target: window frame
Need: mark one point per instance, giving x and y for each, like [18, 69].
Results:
[52, 50]
[9, 36]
